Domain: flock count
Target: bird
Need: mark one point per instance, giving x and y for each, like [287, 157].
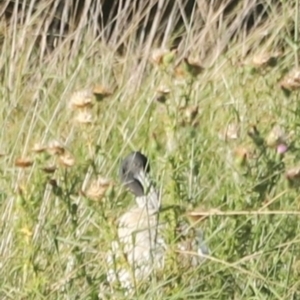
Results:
[142, 247]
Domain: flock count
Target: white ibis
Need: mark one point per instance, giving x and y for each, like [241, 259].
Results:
[140, 248]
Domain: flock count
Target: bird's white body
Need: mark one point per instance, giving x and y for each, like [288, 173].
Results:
[139, 245]
[140, 248]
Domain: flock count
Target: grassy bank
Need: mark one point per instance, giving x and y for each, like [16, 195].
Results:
[214, 140]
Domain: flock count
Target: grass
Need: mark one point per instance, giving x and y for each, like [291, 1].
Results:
[54, 237]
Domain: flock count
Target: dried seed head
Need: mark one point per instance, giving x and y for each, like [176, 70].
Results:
[38, 148]
[23, 162]
[188, 67]
[191, 113]
[84, 117]
[231, 132]
[293, 176]
[265, 59]
[49, 169]
[276, 137]
[162, 93]
[53, 182]
[55, 148]
[158, 54]
[67, 160]
[291, 81]
[293, 173]
[101, 92]
[97, 189]
[81, 99]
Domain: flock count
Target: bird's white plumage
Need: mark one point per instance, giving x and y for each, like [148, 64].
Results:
[140, 248]
[139, 244]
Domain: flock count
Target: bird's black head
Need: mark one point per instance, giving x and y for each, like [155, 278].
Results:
[131, 166]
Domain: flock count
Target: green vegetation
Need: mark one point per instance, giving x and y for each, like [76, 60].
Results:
[216, 136]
